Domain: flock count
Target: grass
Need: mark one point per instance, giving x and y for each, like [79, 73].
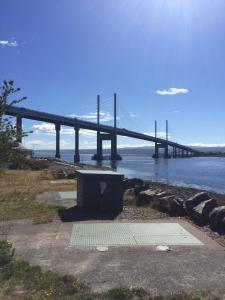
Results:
[18, 191]
[19, 280]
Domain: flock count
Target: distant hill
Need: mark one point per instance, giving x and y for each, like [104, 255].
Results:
[136, 150]
[151, 149]
[210, 149]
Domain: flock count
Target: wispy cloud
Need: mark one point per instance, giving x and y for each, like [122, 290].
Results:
[87, 133]
[160, 134]
[172, 91]
[176, 111]
[46, 145]
[205, 145]
[133, 115]
[92, 116]
[49, 129]
[8, 44]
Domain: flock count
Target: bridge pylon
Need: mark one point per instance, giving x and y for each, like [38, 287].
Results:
[106, 136]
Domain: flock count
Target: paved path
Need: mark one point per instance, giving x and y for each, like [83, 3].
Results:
[183, 268]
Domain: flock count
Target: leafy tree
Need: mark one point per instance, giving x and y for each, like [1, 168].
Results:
[8, 131]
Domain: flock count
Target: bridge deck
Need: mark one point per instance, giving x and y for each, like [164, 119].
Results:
[72, 122]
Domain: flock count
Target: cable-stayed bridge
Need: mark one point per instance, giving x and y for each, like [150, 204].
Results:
[104, 132]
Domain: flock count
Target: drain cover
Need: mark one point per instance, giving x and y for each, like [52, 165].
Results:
[131, 234]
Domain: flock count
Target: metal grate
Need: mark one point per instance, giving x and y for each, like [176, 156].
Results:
[131, 234]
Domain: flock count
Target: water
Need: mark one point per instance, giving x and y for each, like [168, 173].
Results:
[206, 173]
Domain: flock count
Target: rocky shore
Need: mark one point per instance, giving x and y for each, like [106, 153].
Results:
[204, 209]
[151, 200]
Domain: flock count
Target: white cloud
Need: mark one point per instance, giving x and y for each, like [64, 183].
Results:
[49, 129]
[87, 133]
[44, 128]
[8, 44]
[37, 143]
[172, 91]
[92, 116]
[205, 145]
[44, 145]
[133, 115]
[176, 111]
[160, 134]
[133, 145]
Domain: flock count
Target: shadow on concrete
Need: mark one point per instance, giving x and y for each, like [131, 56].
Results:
[78, 214]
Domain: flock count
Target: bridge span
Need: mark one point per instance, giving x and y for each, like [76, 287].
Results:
[104, 132]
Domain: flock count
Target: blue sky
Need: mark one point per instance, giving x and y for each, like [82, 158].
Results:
[165, 59]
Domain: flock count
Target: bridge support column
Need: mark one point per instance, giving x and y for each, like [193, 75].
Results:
[156, 151]
[19, 128]
[105, 137]
[113, 147]
[182, 151]
[174, 152]
[77, 153]
[99, 147]
[57, 144]
[98, 156]
[166, 151]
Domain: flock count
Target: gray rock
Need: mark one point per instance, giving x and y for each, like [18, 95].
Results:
[131, 183]
[71, 175]
[163, 194]
[172, 206]
[140, 188]
[201, 212]
[180, 201]
[164, 203]
[178, 207]
[61, 174]
[146, 196]
[194, 201]
[217, 219]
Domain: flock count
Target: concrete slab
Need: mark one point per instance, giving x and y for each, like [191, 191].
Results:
[184, 268]
[68, 195]
[66, 199]
[130, 234]
[62, 181]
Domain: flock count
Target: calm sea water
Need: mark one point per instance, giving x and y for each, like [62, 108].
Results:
[199, 172]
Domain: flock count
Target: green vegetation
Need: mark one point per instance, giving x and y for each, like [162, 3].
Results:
[9, 133]
[19, 280]
[18, 191]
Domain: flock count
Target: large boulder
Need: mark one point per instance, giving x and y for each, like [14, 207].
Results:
[140, 188]
[201, 212]
[194, 201]
[60, 174]
[163, 204]
[172, 205]
[217, 219]
[163, 194]
[131, 183]
[71, 174]
[146, 196]
[131, 196]
[178, 207]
